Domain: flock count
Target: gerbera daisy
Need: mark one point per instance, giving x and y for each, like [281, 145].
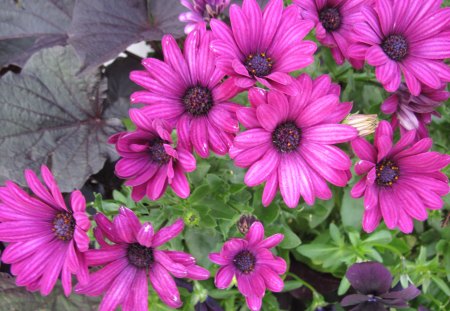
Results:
[289, 141]
[201, 11]
[414, 112]
[409, 37]
[373, 282]
[334, 21]
[399, 181]
[150, 161]
[134, 256]
[251, 262]
[47, 238]
[188, 92]
[263, 46]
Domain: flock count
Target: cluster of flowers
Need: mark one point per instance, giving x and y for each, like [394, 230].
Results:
[48, 240]
[293, 125]
[292, 128]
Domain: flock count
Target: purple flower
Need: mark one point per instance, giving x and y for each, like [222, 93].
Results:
[373, 282]
[334, 22]
[134, 256]
[46, 237]
[252, 263]
[149, 161]
[201, 11]
[289, 141]
[414, 112]
[263, 46]
[409, 37]
[399, 181]
[188, 92]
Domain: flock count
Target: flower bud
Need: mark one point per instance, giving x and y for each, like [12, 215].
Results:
[364, 123]
[245, 223]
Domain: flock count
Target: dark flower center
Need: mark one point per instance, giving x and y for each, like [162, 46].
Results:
[286, 137]
[395, 46]
[372, 298]
[330, 19]
[64, 226]
[198, 101]
[244, 261]
[139, 255]
[258, 65]
[157, 151]
[387, 173]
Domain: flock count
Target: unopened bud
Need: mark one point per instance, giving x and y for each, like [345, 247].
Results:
[245, 223]
[364, 123]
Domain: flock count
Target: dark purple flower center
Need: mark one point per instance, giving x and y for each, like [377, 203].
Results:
[244, 261]
[139, 255]
[395, 46]
[372, 298]
[157, 152]
[198, 101]
[330, 19]
[387, 173]
[258, 65]
[64, 226]
[286, 137]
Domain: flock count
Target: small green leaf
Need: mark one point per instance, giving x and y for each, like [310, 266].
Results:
[343, 286]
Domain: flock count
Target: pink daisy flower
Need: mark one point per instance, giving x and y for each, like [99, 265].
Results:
[263, 46]
[134, 256]
[408, 37]
[188, 92]
[201, 11]
[334, 20]
[47, 238]
[252, 263]
[150, 161]
[289, 141]
[414, 112]
[399, 181]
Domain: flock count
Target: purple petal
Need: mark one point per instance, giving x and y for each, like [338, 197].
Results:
[168, 233]
[369, 278]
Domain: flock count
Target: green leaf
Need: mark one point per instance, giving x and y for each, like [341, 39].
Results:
[351, 211]
[291, 240]
[317, 251]
[201, 242]
[441, 284]
[379, 237]
[291, 285]
[343, 286]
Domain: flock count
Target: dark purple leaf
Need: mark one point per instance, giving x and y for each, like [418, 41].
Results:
[101, 30]
[52, 116]
[13, 297]
[118, 74]
[27, 26]
[369, 278]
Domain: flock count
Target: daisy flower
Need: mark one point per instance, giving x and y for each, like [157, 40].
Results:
[47, 238]
[263, 46]
[334, 21]
[133, 258]
[188, 91]
[399, 182]
[251, 262]
[414, 112]
[289, 141]
[201, 11]
[408, 37]
[150, 162]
